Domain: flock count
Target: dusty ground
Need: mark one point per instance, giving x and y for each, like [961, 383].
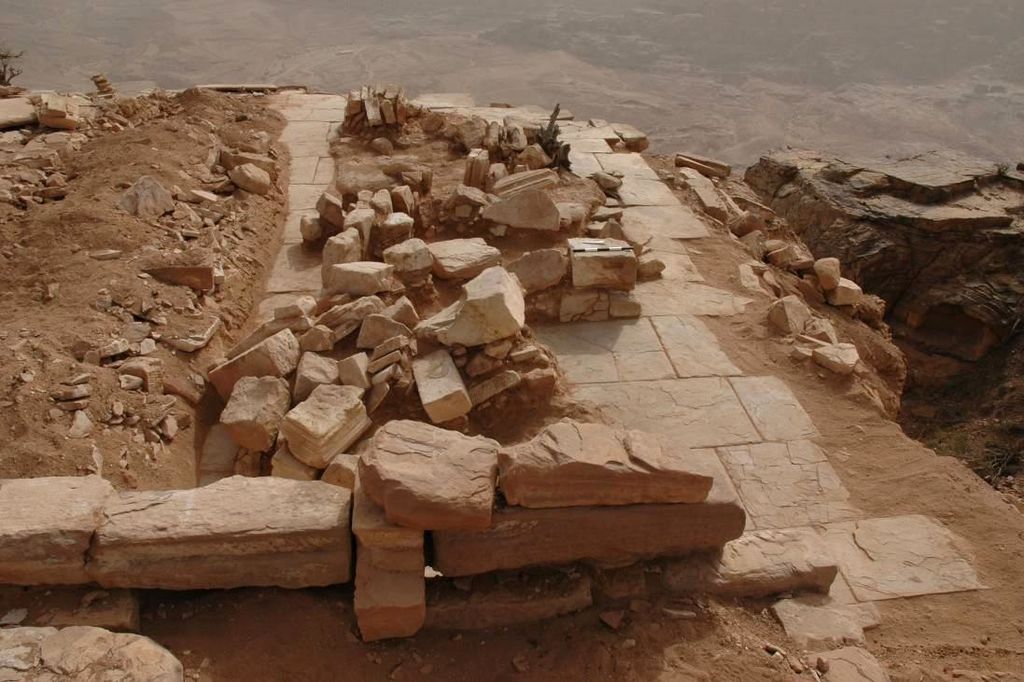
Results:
[50, 244]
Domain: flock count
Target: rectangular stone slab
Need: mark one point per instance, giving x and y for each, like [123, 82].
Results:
[46, 525]
[236, 532]
[521, 537]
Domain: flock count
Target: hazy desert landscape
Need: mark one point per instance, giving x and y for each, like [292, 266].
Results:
[731, 78]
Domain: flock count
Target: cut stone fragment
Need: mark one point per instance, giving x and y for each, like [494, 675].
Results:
[520, 537]
[326, 424]
[706, 166]
[612, 264]
[254, 411]
[319, 339]
[313, 370]
[483, 391]
[829, 272]
[505, 601]
[346, 247]
[491, 308]
[388, 604]
[277, 356]
[302, 306]
[362, 220]
[331, 210]
[707, 194]
[251, 178]
[440, 386]
[529, 210]
[540, 269]
[847, 292]
[147, 199]
[342, 471]
[841, 358]
[758, 564]
[354, 371]
[818, 620]
[430, 478]
[359, 279]
[412, 259]
[377, 329]
[284, 465]
[82, 652]
[789, 315]
[525, 182]
[570, 464]
[463, 258]
[46, 526]
[394, 547]
[233, 533]
[396, 228]
[218, 457]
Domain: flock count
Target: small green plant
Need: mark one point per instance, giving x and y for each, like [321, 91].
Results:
[8, 65]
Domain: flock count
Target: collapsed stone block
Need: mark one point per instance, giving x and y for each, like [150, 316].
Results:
[430, 478]
[276, 356]
[602, 264]
[491, 308]
[284, 465]
[326, 424]
[440, 386]
[346, 247]
[331, 210]
[342, 471]
[236, 532]
[841, 358]
[46, 527]
[529, 210]
[313, 370]
[846, 292]
[540, 269]
[789, 314]
[354, 370]
[254, 411]
[395, 229]
[411, 259]
[359, 279]
[377, 329]
[251, 178]
[217, 459]
[572, 464]
[463, 258]
[829, 272]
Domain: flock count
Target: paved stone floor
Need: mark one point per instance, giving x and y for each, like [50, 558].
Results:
[667, 373]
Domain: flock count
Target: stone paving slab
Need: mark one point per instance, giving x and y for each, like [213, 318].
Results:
[630, 165]
[696, 413]
[324, 172]
[692, 348]
[303, 197]
[784, 485]
[305, 131]
[678, 266]
[590, 146]
[672, 297]
[302, 169]
[639, 191]
[584, 164]
[773, 408]
[674, 221]
[296, 269]
[597, 352]
[900, 556]
[292, 225]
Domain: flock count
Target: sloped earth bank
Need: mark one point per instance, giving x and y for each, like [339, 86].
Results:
[72, 280]
[939, 237]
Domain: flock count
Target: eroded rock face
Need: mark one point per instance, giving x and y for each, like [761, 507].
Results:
[84, 653]
[570, 464]
[938, 236]
[233, 533]
[430, 478]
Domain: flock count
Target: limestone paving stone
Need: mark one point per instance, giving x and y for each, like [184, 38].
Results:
[669, 222]
[630, 165]
[441, 388]
[520, 537]
[702, 412]
[46, 526]
[233, 533]
[773, 408]
[757, 564]
[296, 269]
[325, 424]
[430, 478]
[254, 411]
[674, 297]
[607, 351]
[304, 197]
[463, 258]
[900, 556]
[692, 348]
[637, 191]
[787, 484]
[816, 620]
[572, 464]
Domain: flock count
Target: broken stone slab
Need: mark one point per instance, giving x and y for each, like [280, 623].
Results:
[430, 478]
[853, 664]
[345, 318]
[195, 275]
[540, 269]
[147, 199]
[635, 140]
[520, 537]
[602, 264]
[829, 272]
[757, 564]
[481, 392]
[342, 471]
[708, 197]
[387, 604]
[276, 356]
[362, 278]
[325, 424]
[440, 386]
[570, 464]
[524, 182]
[403, 311]
[217, 459]
[847, 292]
[395, 229]
[841, 358]
[231, 159]
[376, 329]
[354, 371]
[284, 465]
[46, 527]
[789, 314]
[705, 166]
[251, 178]
[528, 210]
[236, 532]
[195, 337]
[819, 620]
[83, 652]
[491, 308]
[313, 370]
[411, 259]
[254, 411]
[506, 600]
[16, 112]
[462, 258]
[346, 247]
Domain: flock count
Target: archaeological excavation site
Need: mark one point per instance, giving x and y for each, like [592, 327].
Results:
[395, 385]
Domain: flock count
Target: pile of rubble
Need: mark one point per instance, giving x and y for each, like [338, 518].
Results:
[375, 110]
